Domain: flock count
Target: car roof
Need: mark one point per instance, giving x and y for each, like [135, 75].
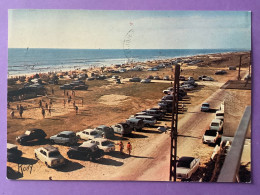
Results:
[144, 116]
[216, 121]
[50, 148]
[205, 103]
[10, 146]
[66, 132]
[87, 144]
[100, 139]
[102, 126]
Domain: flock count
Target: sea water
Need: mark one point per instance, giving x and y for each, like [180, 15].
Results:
[32, 60]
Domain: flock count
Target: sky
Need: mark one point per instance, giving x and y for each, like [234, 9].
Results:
[97, 29]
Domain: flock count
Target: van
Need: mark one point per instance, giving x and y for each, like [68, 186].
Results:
[135, 124]
[148, 120]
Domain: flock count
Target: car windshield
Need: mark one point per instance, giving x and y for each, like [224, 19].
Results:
[205, 105]
[93, 133]
[220, 114]
[215, 124]
[27, 132]
[211, 133]
[105, 143]
[183, 164]
[54, 153]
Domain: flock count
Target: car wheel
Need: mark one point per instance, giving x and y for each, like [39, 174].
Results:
[36, 157]
[52, 141]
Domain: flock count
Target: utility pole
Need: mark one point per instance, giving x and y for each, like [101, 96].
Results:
[174, 125]
[238, 77]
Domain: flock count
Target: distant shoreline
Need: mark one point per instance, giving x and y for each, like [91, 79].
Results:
[94, 68]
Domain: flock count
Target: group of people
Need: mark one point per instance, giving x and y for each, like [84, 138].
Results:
[128, 147]
[46, 107]
[20, 110]
[70, 99]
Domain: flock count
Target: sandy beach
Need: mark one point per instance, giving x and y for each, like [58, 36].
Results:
[108, 103]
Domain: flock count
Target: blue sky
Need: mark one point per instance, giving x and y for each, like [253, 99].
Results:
[93, 29]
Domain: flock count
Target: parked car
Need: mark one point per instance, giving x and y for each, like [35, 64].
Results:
[156, 113]
[156, 78]
[148, 120]
[150, 77]
[146, 81]
[232, 68]
[188, 87]
[135, 79]
[191, 79]
[202, 77]
[104, 144]
[220, 72]
[86, 151]
[13, 154]
[50, 156]
[186, 166]
[108, 132]
[64, 137]
[152, 69]
[160, 110]
[122, 128]
[220, 115]
[205, 107]
[168, 90]
[166, 78]
[88, 134]
[216, 124]
[208, 79]
[135, 124]
[210, 137]
[182, 78]
[66, 86]
[31, 134]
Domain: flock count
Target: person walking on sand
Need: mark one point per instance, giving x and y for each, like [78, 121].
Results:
[21, 112]
[43, 113]
[12, 114]
[64, 102]
[129, 148]
[46, 105]
[49, 110]
[40, 103]
[77, 109]
[121, 147]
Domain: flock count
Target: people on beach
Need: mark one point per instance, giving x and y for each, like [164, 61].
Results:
[73, 93]
[76, 109]
[21, 111]
[43, 113]
[121, 147]
[12, 114]
[64, 103]
[46, 105]
[129, 148]
[49, 109]
[40, 103]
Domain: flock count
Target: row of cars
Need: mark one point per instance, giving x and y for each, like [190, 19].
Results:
[213, 134]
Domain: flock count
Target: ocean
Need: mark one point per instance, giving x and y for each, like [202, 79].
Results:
[32, 60]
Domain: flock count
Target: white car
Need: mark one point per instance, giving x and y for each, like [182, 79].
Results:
[210, 137]
[187, 87]
[104, 144]
[146, 81]
[88, 134]
[186, 166]
[220, 115]
[207, 79]
[50, 156]
[216, 124]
